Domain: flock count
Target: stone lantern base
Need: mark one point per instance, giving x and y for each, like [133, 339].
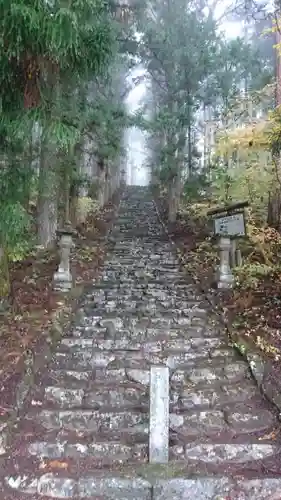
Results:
[225, 276]
[62, 278]
[62, 281]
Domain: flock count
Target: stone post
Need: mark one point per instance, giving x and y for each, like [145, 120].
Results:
[239, 260]
[225, 278]
[235, 255]
[63, 278]
[123, 178]
[233, 251]
[159, 415]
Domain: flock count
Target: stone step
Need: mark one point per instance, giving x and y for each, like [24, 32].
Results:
[140, 257]
[143, 293]
[104, 486]
[229, 453]
[144, 270]
[140, 299]
[203, 396]
[199, 372]
[139, 266]
[112, 453]
[77, 379]
[175, 353]
[160, 483]
[90, 421]
[135, 279]
[153, 251]
[150, 307]
[145, 329]
[169, 342]
[150, 282]
[105, 394]
[230, 421]
[222, 487]
[211, 371]
[164, 316]
[87, 360]
[105, 453]
[142, 260]
[130, 321]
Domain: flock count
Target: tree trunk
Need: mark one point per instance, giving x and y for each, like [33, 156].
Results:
[274, 199]
[106, 185]
[101, 189]
[189, 138]
[173, 201]
[5, 284]
[274, 209]
[47, 199]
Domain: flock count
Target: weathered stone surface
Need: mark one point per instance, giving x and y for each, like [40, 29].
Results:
[247, 419]
[56, 487]
[77, 342]
[216, 371]
[202, 397]
[217, 489]
[114, 488]
[141, 376]
[197, 375]
[106, 452]
[64, 397]
[174, 361]
[88, 420]
[235, 453]
[22, 483]
[236, 371]
[3, 438]
[117, 398]
[199, 422]
[110, 375]
[184, 489]
[44, 449]
[239, 392]
[84, 360]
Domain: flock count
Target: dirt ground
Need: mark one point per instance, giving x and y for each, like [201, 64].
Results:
[253, 311]
[24, 327]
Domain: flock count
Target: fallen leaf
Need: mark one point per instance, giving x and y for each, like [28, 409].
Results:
[54, 464]
[271, 435]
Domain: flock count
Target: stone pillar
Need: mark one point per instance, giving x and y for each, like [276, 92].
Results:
[235, 255]
[159, 415]
[123, 178]
[225, 278]
[63, 278]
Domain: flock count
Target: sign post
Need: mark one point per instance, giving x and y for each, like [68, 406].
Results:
[226, 278]
[63, 278]
[229, 225]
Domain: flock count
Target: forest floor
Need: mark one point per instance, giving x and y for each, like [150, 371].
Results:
[26, 326]
[253, 308]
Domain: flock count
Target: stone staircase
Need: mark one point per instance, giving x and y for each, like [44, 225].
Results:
[85, 429]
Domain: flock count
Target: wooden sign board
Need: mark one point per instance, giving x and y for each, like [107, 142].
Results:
[232, 225]
[228, 209]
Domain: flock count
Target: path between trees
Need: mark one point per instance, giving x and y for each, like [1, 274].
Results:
[84, 428]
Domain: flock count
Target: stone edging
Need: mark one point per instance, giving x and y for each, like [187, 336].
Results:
[261, 369]
[34, 361]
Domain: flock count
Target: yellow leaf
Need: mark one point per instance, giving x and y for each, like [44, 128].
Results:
[53, 464]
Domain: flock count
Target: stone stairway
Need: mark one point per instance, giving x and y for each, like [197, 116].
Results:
[85, 429]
